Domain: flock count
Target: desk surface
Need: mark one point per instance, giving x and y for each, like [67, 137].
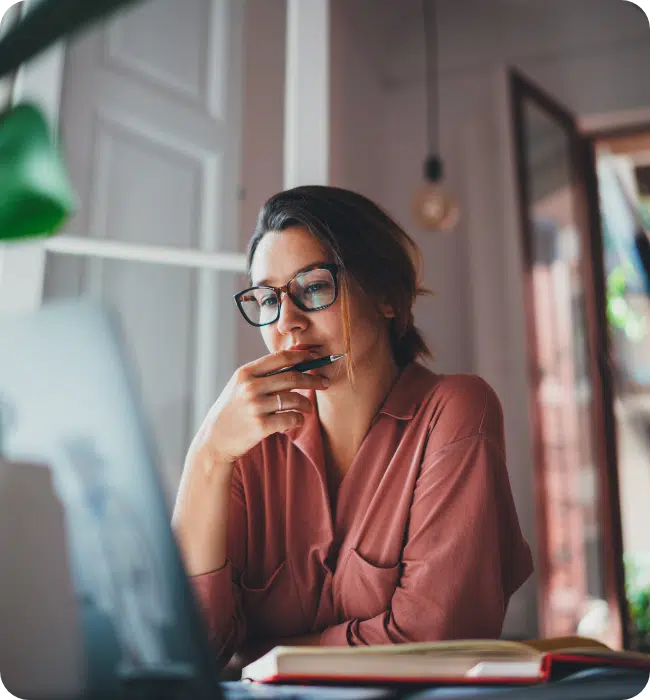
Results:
[595, 684]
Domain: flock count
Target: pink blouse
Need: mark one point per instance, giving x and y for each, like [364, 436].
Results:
[422, 543]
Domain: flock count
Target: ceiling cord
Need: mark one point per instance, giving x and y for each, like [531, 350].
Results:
[431, 55]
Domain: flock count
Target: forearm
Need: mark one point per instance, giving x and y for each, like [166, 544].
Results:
[476, 612]
[200, 519]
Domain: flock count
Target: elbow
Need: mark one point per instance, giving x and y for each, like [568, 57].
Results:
[434, 623]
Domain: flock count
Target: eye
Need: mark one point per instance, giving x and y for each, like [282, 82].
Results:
[316, 287]
[269, 300]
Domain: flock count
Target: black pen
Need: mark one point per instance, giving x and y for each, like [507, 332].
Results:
[309, 364]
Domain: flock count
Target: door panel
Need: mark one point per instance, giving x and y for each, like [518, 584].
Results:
[575, 466]
[151, 93]
[150, 125]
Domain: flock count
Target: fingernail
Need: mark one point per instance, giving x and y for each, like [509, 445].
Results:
[325, 381]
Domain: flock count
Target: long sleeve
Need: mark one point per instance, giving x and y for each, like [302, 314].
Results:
[424, 542]
[463, 557]
[218, 592]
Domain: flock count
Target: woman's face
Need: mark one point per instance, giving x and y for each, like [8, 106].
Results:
[278, 258]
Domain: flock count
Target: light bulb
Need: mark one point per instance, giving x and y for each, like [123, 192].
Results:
[434, 209]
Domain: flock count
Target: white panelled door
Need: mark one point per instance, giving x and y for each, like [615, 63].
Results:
[150, 122]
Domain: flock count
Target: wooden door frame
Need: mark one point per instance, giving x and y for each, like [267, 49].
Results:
[587, 215]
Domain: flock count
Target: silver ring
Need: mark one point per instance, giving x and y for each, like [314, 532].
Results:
[279, 398]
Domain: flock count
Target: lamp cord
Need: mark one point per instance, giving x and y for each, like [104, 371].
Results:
[47, 22]
[11, 17]
[431, 74]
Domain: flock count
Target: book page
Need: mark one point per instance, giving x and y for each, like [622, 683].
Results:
[471, 647]
[562, 643]
[505, 669]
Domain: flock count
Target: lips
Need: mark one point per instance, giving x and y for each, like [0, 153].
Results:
[315, 349]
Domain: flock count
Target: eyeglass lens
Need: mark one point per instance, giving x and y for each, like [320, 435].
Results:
[313, 290]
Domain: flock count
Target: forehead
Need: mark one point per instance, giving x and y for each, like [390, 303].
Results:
[280, 254]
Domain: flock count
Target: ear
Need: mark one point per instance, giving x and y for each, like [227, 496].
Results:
[387, 311]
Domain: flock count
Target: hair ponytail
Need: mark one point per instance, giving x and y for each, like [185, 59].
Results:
[408, 343]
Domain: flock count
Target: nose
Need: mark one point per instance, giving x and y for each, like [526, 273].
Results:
[291, 317]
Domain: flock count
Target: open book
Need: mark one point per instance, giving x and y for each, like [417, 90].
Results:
[472, 661]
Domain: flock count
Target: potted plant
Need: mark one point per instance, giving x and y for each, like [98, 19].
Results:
[637, 588]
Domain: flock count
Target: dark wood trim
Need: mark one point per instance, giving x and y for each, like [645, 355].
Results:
[625, 144]
[600, 359]
[587, 215]
[524, 87]
[523, 195]
[596, 135]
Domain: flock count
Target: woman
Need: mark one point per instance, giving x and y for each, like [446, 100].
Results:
[368, 501]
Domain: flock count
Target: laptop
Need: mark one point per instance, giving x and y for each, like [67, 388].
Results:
[72, 430]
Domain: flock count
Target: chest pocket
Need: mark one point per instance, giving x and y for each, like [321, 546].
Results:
[364, 590]
[274, 610]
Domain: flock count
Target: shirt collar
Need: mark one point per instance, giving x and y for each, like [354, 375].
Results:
[408, 392]
[402, 403]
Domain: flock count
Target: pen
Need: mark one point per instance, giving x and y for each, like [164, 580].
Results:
[309, 364]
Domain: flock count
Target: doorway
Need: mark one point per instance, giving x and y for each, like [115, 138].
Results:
[571, 379]
[622, 161]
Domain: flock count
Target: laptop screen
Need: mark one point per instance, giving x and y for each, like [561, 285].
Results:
[66, 401]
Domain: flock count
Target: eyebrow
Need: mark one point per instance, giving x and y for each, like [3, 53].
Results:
[265, 282]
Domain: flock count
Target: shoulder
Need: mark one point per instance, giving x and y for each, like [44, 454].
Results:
[466, 394]
[460, 406]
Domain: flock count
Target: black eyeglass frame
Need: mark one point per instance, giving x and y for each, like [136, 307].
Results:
[332, 268]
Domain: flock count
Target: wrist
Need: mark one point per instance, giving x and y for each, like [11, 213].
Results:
[212, 464]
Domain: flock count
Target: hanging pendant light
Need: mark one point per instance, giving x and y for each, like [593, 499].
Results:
[434, 208]
[36, 196]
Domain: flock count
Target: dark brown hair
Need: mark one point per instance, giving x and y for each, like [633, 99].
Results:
[368, 246]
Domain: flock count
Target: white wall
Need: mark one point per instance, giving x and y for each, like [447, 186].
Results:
[357, 100]
[263, 132]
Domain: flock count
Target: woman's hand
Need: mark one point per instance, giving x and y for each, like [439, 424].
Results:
[247, 410]
[245, 413]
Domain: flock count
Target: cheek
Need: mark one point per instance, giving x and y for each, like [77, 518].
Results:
[367, 324]
[331, 321]
[362, 313]
[270, 337]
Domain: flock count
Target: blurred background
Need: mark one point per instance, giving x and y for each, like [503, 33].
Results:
[179, 118]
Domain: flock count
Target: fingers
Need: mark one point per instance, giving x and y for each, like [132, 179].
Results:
[251, 402]
[253, 380]
[291, 401]
[276, 361]
[281, 422]
[292, 380]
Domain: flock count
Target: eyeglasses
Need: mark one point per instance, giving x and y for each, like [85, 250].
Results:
[310, 290]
